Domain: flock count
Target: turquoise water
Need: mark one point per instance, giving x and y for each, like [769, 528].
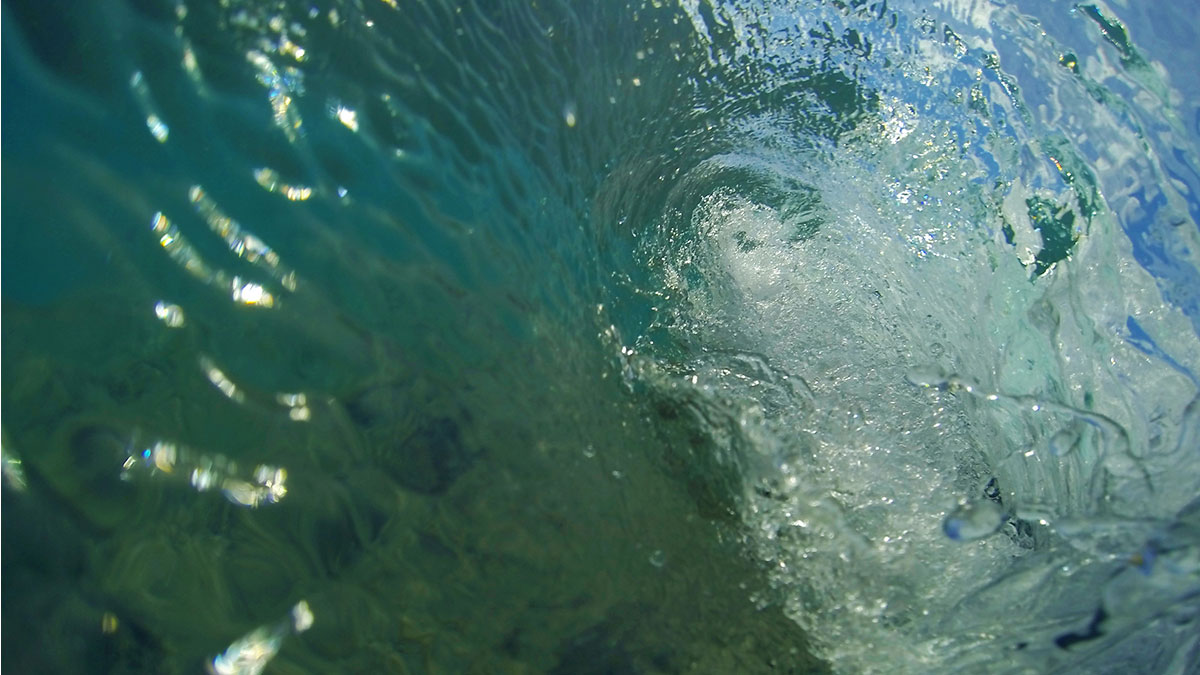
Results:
[522, 337]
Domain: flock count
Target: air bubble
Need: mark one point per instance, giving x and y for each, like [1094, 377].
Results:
[1063, 442]
[168, 313]
[928, 376]
[974, 520]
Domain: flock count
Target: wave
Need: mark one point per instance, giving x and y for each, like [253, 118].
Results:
[901, 300]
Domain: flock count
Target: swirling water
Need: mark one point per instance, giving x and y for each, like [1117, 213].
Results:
[707, 337]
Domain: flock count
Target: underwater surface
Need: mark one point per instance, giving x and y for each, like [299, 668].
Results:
[552, 336]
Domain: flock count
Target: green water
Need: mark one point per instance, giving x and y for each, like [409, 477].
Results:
[595, 338]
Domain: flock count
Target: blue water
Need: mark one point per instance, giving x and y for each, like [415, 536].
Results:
[665, 337]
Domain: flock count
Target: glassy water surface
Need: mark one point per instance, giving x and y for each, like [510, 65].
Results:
[653, 337]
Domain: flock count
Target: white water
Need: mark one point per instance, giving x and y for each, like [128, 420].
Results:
[972, 467]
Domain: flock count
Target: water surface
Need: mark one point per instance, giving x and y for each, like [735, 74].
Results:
[695, 337]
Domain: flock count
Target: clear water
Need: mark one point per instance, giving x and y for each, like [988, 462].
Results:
[516, 337]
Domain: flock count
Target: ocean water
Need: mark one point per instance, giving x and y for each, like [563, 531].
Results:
[768, 336]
